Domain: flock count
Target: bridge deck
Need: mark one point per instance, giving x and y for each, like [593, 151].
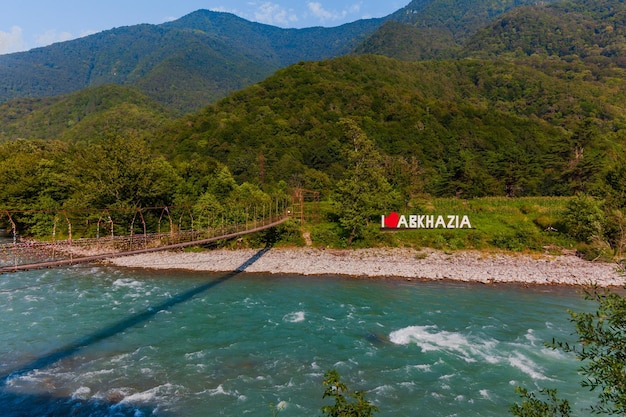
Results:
[103, 256]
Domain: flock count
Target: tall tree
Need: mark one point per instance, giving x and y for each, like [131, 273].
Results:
[121, 172]
[364, 192]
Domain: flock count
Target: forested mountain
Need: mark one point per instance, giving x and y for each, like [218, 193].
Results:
[281, 47]
[523, 109]
[200, 58]
[591, 30]
[184, 64]
[461, 128]
[436, 29]
[82, 117]
[465, 128]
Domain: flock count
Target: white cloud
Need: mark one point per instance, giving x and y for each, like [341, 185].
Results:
[274, 14]
[223, 10]
[52, 36]
[324, 15]
[355, 8]
[319, 11]
[12, 41]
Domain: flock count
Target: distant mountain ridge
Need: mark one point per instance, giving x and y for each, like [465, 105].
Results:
[185, 64]
[281, 46]
[204, 56]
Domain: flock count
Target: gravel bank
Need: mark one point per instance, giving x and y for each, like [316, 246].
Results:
[469, 266]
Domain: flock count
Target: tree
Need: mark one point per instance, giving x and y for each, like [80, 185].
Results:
[120, 172]
[364, 192]
[601, 346]
[584, 218]
[208, 211]
[342, 408]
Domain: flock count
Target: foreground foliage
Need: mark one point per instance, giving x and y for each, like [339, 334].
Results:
[533, 406]
[601, 347]
[338, 390]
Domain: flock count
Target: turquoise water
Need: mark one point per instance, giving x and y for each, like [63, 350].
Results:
[100, 341]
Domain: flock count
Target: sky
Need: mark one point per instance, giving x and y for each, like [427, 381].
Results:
[28, 24]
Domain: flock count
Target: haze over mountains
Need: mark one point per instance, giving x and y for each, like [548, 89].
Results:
[201, 57]
[185, 64]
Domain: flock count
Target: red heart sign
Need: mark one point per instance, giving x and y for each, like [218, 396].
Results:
[391, 221]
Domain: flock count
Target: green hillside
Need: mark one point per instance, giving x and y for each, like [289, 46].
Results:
[202, 57]
[82, 117]
[370, 133]
[450, 128]
[436, 29]
[457, 128]
[408, 42]
[589, 30]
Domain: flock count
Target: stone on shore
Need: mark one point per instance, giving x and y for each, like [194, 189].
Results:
[468, 266]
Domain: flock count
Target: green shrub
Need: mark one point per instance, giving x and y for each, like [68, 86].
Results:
[328, 234]
[584, 218]
[289, 234]
[342, 408]
[508, 242]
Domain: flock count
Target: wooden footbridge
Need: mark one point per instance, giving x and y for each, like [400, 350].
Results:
[20, 255]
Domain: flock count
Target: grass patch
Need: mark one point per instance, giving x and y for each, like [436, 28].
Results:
[512, 224]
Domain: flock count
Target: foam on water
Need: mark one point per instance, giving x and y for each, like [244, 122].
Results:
[429, 339]
[158, 394]
[526, 365]
[82, 393]
[470, 348]
[127, 283]
[220, 391]
[295, 317]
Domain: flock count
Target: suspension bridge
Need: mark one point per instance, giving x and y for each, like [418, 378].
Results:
[124, 232]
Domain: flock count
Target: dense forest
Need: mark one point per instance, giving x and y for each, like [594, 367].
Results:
[501, 118]
[462, 128]
[436, 29]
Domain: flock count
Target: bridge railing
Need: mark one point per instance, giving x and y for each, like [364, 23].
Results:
[18, 252]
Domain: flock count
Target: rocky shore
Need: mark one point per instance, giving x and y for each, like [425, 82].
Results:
[468, 266]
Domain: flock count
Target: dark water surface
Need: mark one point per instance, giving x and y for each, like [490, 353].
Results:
[100, 341]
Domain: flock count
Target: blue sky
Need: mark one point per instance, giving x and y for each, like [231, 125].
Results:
[29, 24]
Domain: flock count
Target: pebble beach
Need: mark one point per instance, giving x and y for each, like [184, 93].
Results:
[408, 264]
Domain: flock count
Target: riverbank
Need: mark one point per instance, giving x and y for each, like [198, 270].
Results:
[467, 266]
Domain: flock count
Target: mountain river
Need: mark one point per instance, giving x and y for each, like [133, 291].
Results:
[93, 340]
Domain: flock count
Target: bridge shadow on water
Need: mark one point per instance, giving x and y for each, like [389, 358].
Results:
[37, 403]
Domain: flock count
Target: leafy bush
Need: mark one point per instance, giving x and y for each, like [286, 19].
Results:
[342, 408]
[584, 218]
[508, 242]
[532, 406]
[328, 234]
[287, 234]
